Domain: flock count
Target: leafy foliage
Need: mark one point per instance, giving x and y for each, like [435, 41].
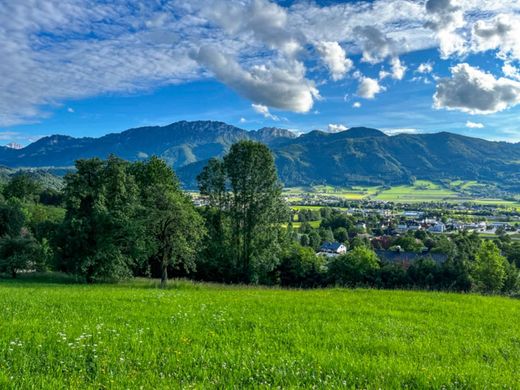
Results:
[246, 195]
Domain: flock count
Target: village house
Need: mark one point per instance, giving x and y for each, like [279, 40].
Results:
[331, 249]
[438, 227]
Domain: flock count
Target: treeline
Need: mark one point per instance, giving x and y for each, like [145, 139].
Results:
[115, 219]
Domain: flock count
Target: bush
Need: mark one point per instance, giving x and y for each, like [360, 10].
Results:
[300, 267]
[20, 254]
[424, 273]
[392, 276]
[357, 267]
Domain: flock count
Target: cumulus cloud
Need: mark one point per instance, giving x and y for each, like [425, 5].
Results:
[398, 69]
[336, 127]
[445, 18]
[356, 105]
[264, 19]
[425, 67]
[474, 125]
[69, 49]
[511, 71]
[499, 33]
[476, 92]
[264, 110]
[284, 87]
[375, 44]
[335, 58]
[368, 88]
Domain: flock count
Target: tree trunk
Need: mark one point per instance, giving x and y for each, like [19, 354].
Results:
[13, 273]
[90, 275]
[164, 275]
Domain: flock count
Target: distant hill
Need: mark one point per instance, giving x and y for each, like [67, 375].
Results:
[46, 178]
[356, 156]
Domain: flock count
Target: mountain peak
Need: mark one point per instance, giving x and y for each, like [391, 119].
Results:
[363, 132]
[268, 134]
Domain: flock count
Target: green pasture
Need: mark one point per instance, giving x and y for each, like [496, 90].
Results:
[134, 335]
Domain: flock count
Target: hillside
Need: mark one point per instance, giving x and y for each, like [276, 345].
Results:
[47, 178]
[356, 156]
[338, 158]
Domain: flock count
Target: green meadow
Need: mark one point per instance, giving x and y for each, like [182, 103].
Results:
[420, 191]
[134, 335]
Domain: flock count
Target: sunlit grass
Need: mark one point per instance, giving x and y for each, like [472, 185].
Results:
[134, 335]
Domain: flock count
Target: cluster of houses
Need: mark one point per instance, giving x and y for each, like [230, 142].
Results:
[396, 256]
[411, 221]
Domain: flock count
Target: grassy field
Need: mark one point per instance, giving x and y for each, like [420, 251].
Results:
[134, 335]
[420, 191]
[297, 225]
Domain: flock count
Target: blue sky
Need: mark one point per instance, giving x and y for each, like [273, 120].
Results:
[87, 68]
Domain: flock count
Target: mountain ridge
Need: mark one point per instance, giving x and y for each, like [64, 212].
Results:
[359, 155]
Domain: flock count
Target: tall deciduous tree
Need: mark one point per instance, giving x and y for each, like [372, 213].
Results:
[100, 236]
[256, 208]
[23, 187]
[173, 227]
[213, 184]
[490, 267]
[12, 219]
[217, 262]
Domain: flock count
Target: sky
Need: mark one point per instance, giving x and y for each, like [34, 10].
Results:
[92, 67]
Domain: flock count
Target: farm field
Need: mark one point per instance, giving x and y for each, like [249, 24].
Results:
[420, 191]
[134, 335]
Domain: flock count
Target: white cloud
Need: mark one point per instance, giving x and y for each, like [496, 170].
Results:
[425, 67]
[474, 125]
[511, 71]
[266, 21]
[70, 109]
[243, 120]
[476, 92]
[336, 127]
[383, 74]
[400, 131]
[264, 110]
[499, 33]
[445, 18]
[334, 57]
[375, 44]
[283, 86]
[368, 88]
[356, 104]
[69, 49]
[14, 136]
[398, 69]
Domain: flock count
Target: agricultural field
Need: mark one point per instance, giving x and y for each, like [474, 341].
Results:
[134, 335]
[353, 193]
[421, 191]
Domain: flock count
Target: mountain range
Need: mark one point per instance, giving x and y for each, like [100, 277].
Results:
[356, 156]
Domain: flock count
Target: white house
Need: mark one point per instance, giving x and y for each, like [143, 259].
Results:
[332, 249]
